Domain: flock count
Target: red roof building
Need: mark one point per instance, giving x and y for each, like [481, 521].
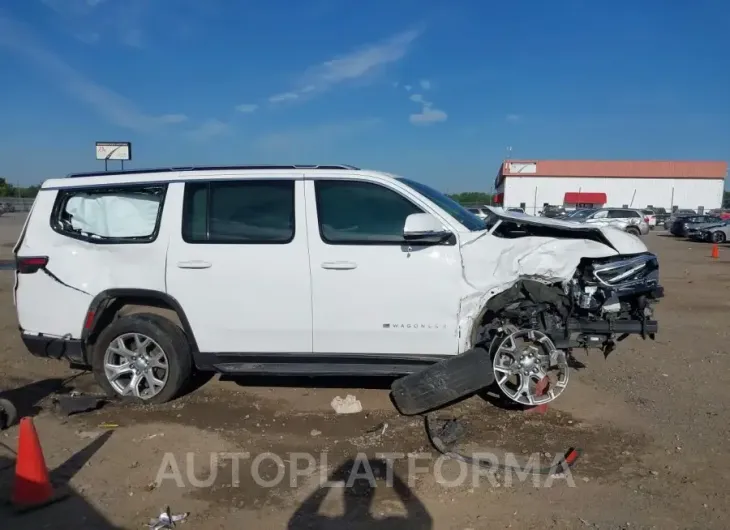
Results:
[531, 184]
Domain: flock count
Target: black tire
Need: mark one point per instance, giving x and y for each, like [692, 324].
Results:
[633, 231]
[718, 237]
[167, 335]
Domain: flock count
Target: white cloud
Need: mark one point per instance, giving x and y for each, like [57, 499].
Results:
[408, 88]
[313, 138]
[247, 108]
[357, 65]
[429, 114]
[286, 96]
[133, 38]
[108, 104]
[425, 84]
[208, 129]
[173, 118]
[513, 118]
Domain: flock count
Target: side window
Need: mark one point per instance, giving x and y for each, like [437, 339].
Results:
[239, 212]
[600, 215]
[352, 212]
[125, 214]
[632, 213]
[617, 214]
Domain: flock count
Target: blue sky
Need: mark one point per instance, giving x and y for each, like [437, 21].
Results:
[434, 90]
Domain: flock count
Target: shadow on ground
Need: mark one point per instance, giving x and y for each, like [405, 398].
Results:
[69, 511]
[360, 479]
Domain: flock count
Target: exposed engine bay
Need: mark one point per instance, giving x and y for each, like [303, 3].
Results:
[542, 289]
[527, 334]
[531, 329]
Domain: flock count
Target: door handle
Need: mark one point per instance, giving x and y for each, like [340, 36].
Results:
[339, 265]
[194, 264]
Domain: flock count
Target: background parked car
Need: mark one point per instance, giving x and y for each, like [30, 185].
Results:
[662, 215]
[518, 210]
[676, 215]
[650, 218]
[626, 219]
[553, 211]
[682, 225]
[715, 234]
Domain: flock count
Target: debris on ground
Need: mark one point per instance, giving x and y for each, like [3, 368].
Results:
[349, 405]
[77, 403]
[167, 520]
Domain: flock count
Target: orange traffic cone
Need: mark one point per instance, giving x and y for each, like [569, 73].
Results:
[32, 485]
[715, 251]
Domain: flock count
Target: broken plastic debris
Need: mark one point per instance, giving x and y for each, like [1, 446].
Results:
[349, 405]
[167, 520]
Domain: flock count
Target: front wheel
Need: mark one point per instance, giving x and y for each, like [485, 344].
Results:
[718, 237]
[144, 357]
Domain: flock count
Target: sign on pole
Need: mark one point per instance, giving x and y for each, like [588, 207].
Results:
[113, 151]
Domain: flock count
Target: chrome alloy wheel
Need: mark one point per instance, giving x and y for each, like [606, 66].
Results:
[135, 365]
[529, 369]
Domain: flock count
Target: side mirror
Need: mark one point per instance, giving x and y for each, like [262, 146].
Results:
[424, 228]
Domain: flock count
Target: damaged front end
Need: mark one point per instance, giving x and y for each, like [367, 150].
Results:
[560, 301]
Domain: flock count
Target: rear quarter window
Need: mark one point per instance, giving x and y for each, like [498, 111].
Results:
[125, 214]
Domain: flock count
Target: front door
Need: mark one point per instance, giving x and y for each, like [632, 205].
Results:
[240, 268]
[371, 291]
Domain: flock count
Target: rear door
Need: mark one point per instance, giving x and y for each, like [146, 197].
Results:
[239, 264]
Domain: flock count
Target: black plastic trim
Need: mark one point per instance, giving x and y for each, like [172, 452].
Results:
[55, 348]
[313, 363]
[212, 168]
[104, 298]
[62, 197]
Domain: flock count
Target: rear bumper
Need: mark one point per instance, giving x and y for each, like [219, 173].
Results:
[55, 348]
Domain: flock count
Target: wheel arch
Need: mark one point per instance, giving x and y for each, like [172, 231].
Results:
[107, 304]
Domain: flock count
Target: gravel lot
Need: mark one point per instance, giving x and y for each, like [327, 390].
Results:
[649, 418]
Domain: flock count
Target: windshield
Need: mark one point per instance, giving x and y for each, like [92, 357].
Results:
[580, 214]
[449, 205]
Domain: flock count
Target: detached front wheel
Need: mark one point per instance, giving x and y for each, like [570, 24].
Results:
[144, 357]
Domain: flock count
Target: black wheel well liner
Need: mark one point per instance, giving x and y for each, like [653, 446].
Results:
[523, 289]
[107, 303]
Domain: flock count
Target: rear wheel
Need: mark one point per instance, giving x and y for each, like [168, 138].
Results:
[633, 231]
[144, 357]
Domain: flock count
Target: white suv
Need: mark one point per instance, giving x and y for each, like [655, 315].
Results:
[146, 276]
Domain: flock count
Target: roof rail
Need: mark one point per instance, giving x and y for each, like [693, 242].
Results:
[208, 168]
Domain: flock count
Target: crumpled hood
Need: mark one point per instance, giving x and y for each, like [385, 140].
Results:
[491, 261]
[622, 242]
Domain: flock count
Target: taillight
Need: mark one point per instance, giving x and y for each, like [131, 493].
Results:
[29, 265]
[646, 219]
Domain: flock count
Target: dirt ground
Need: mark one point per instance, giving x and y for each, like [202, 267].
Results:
[650, 420]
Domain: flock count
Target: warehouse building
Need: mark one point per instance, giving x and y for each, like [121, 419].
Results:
[532, 184]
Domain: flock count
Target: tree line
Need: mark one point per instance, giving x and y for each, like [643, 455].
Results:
[8, 190]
